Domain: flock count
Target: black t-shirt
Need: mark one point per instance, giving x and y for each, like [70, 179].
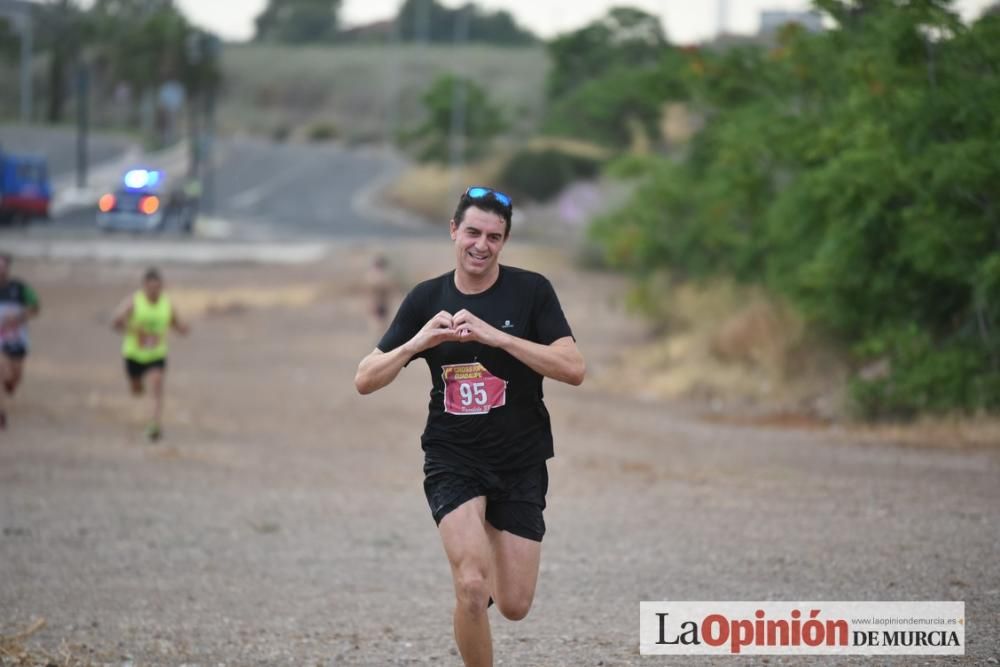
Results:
[18, 293]
[513, 434]
[15, 297]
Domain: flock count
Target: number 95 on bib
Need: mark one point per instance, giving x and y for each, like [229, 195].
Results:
[470, 389]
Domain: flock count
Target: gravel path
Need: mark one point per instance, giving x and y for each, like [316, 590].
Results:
[282, 520]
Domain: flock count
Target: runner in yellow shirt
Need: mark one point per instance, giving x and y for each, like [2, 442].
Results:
[144, 318]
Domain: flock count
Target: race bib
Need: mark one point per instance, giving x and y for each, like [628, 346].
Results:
[9, 332]
[470, 389]
[148, 341]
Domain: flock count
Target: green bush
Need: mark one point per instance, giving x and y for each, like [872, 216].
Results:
[630, 166]
[540, 175]
[927, 376]
[280, 133]
[484, 121]
[322, 131]
[854, 172]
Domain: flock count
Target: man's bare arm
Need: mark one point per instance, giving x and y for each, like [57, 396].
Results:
[561, 360]
[178, 325]
[122, 314]
[380, 368]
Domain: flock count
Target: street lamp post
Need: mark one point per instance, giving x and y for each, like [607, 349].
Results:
[26, 48]
[20, 15]
[82, 122]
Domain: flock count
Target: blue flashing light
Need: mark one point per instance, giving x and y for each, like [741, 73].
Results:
[137, 179]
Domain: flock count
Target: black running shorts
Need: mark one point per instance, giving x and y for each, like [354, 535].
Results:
[136, 369]
[514, 498]
[14, 350]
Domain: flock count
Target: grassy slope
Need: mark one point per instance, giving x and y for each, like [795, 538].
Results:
[269, 88]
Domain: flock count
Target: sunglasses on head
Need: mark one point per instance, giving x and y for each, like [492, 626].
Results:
[479, 192]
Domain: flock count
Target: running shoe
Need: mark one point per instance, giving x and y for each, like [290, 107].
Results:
[153, 432]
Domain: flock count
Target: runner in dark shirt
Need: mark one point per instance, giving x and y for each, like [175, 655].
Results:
[18, 304]
[489, 334]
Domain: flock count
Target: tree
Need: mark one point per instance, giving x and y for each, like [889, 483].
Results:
[9, 41]
[497, 28]
[145, 43]
[428, 20]
[62, 31]
[483, 121]
[140, 42]
[607, 108]
[855, 173]
[625, 37]
[298, 21]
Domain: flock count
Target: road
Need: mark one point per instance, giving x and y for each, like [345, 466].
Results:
[275, 192]
[58, 146]
[296, 191]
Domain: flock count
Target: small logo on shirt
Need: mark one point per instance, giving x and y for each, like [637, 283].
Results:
[507, 325]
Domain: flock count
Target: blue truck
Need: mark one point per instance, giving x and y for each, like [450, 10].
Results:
[25, 191]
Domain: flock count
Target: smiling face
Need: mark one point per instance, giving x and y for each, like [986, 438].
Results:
[479, 238]
[152, 287]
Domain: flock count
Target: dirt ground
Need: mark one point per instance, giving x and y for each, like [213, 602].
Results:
[282, 519]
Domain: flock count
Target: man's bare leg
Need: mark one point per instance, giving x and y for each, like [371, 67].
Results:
[156, 381]
[515, 572]
[5, 374]
[12, 374]
[463, 533]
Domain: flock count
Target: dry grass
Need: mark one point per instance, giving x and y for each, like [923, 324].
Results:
[12, 650]
[14, 653]
[734, 347]
[364, 90]
[575, 147]
[950, 432]
[432, 190]
[957, 433]
[194, 302]
[750, 360]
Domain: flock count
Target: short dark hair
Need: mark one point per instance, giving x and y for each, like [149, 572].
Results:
[487, 203]
[152, 273]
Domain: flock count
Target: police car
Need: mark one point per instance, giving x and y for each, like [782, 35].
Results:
[143, 203]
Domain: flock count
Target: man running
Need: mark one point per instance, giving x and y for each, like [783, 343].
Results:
[489, 333]
[18, 304]
[144, 318]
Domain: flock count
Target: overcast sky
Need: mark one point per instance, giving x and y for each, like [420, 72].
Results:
[684, 20]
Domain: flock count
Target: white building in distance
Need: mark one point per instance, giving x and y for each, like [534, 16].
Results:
[771, 20]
